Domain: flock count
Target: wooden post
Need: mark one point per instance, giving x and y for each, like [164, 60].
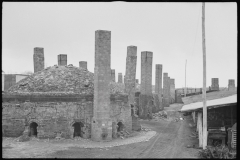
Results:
[194, 117]
[197, 122]
[200, 129]
[204, 80]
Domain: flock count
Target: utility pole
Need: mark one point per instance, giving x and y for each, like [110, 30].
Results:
[185, 78]
[204, 80]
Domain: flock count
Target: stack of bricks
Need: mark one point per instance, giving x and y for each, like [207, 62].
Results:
[145, 99]
[231, 84]
[172, 90]
[120, 78]
[38, 59]
[83, 64]
[165, 90]
[113, 75]
[101, 128]
[62, 59]
[158, 84]
[215, 84]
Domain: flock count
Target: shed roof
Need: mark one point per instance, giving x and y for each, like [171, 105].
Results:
[210, 103]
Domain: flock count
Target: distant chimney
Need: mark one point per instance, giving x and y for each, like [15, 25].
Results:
[62, 59]
[83, 64]
[38, 59]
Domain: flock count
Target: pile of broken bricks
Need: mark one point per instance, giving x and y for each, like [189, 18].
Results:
[123, 134]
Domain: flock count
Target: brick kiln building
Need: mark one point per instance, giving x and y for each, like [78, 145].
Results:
[59, 99]
[69, 101]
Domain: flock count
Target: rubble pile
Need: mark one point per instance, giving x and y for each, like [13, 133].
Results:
[145, 129]
[123, 134]
[60, 80]
[160, 115]
[57, 79]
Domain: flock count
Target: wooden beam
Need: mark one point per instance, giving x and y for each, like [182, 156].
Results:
[200, 129]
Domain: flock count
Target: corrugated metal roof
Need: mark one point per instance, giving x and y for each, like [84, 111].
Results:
[214, 102]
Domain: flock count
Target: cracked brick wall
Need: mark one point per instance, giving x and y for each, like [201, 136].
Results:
[38, 59]
[54, 116]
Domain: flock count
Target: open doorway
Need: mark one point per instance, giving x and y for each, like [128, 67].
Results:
[33, 129]
[77, 129]
[120, 126]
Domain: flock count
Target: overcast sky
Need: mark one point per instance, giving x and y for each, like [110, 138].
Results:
[172, 31]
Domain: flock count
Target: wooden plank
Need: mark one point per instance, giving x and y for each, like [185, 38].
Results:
[200, 129]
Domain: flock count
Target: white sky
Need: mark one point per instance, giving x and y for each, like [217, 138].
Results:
[172, 31]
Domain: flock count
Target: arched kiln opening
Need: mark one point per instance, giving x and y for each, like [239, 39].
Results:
[77, 129]
[120, 126]
[33, 129]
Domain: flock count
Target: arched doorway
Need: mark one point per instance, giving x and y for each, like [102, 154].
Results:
[77, 129]
[120, 126]
[33, 129]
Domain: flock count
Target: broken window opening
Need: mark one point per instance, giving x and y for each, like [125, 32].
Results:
[78, 129]
[33, 129]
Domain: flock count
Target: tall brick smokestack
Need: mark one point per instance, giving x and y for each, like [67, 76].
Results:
[38, 59]
[101, 127]
[62, 59]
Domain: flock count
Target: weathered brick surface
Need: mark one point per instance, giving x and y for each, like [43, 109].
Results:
[146, 72]
[83, 64]
[165, 90]
[113, 75]
[56, 117]
[231, 84]
[131, 65]
[62, 59]
[172, 91]
[137, 81]
[129, 78]
[215, 84]
[120, 78]
[158, 83]
[146, 85]
[101, 122]
[9, 80]
[38, 59]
